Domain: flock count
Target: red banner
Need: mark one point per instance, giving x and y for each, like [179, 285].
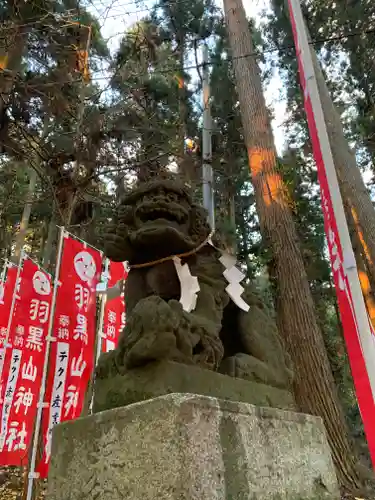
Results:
[6, 296]
[344, 298]
[114, 311]
[23, 366]
[72, 352]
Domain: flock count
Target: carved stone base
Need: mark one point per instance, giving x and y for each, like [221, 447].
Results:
[158, 379]
[189, 447]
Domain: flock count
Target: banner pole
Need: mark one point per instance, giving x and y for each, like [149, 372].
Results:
[39, 266]
[207, 175]
[103, 300]
[32, 475]
[12, 307]
[4, 271]
[99, 336]
[350, 266]
[82, 241]
[361, 342]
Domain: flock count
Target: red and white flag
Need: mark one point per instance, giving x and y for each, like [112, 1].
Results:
[23, 365]
[114, 310]
[6, 295]
[343, 292]
[72, 352]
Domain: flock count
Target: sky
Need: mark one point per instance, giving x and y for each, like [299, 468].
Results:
[116, 16]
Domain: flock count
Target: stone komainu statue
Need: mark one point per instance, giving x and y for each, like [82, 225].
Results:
[159, 219]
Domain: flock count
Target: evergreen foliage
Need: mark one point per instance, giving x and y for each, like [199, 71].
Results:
[88, 139]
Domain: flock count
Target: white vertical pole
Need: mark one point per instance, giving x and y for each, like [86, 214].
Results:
[103, 300]
[99, 335]
[207, 176]
[14, 298]
[350, 266]
[11, 312]
[38, 421]
[4, 271]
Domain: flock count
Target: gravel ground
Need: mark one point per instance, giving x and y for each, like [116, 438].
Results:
[11, 484]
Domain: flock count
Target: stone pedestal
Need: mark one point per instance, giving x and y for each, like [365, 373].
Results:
[189, 447]
[165, 377]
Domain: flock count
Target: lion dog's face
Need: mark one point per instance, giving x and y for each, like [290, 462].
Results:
[156, 220]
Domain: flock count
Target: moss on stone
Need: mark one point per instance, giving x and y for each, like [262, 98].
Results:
[161, 378]
[159, 219]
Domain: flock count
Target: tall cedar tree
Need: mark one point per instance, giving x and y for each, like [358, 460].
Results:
[314, 386]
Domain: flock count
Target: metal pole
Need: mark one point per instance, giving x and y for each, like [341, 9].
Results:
[364, 329]
[103, 300]
[99, 336]
[207, 176]
[11, 312]
[38, 420]
[4, 271]
[82, 241]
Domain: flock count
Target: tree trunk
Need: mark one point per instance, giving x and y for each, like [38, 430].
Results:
[43, 239]
[314, 387]
[5, 234]
[47, 253]
[120, 186]
[33, 176]
[186, 166]
[11, 51]
[359, 248]
[24, 224]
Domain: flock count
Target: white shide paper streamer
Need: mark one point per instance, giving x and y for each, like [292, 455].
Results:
[189, 285]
